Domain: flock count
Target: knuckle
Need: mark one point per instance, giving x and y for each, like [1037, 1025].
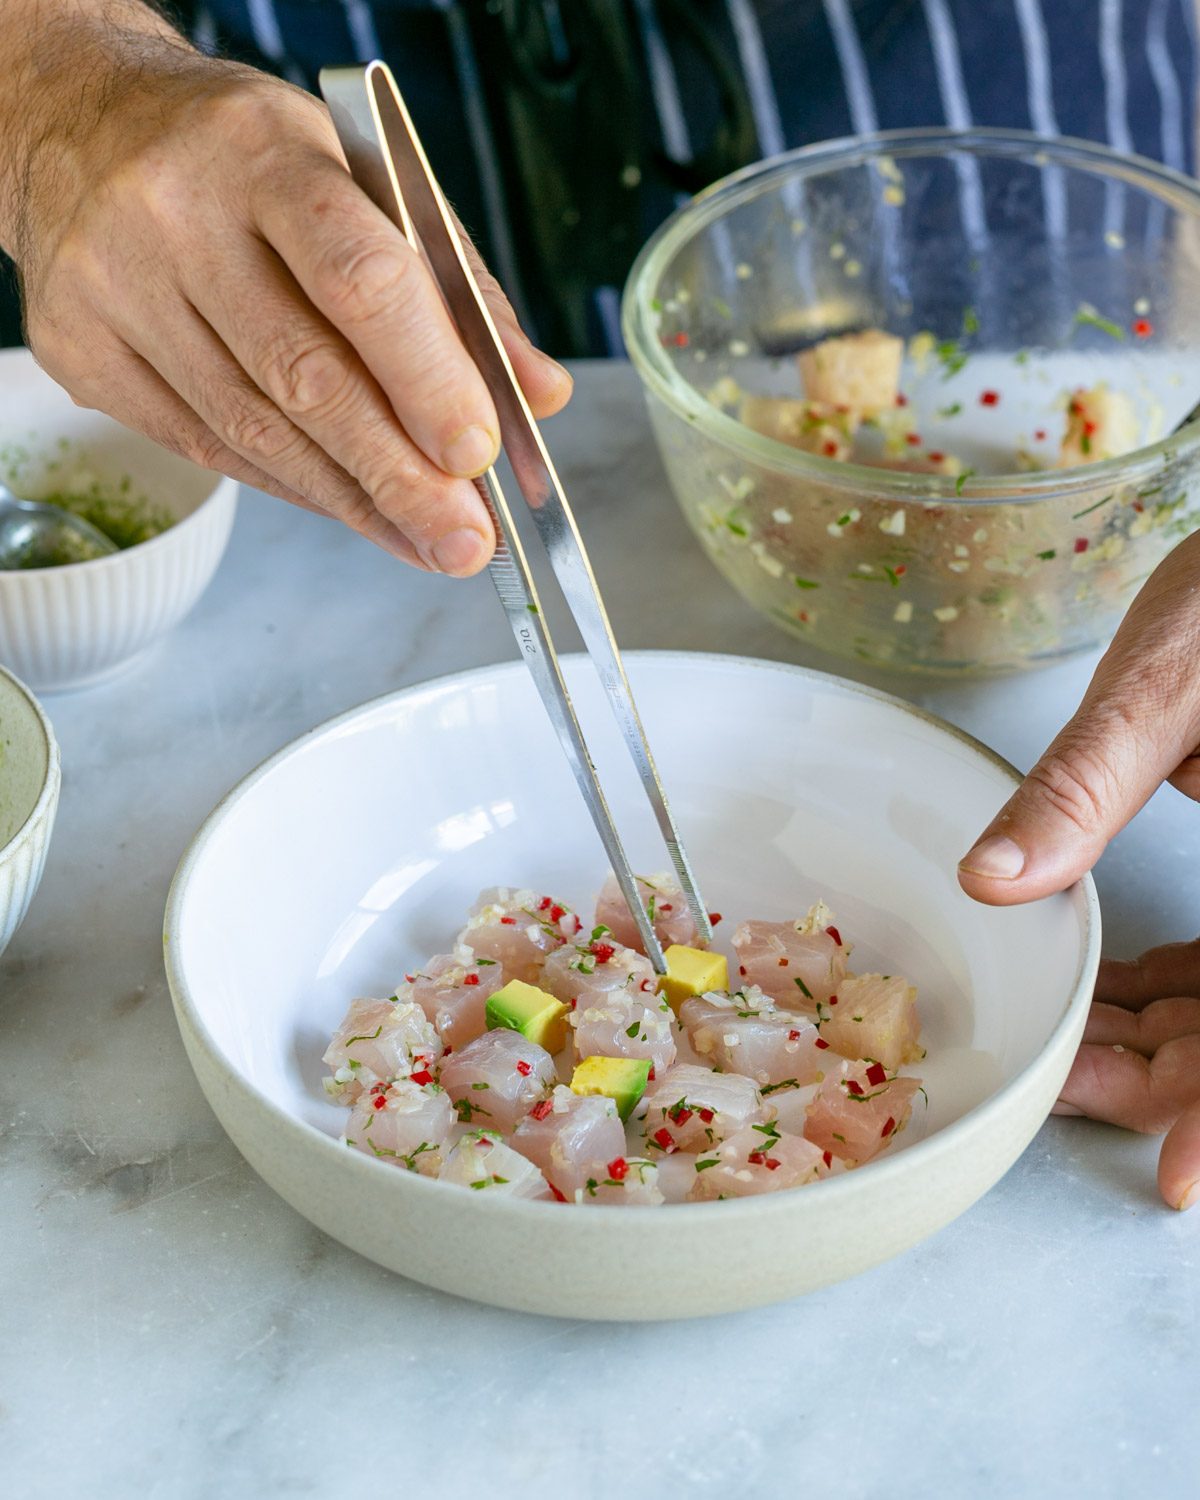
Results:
[363, 277]
[258, 429]
[1075, 786]
[309, 381]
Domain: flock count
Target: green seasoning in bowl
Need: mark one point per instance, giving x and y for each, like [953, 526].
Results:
[114, 509]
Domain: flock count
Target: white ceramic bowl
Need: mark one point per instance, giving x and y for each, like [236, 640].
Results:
[30, 777]
[352, 855]
[69, 626]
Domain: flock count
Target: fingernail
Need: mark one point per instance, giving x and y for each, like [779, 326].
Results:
[460, 553]
[470, 453]
[1190, 1197]
[997, 856]
[1061, 1107]
[552, 367]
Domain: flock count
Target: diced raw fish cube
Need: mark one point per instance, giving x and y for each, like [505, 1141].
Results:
[1100, 424]
[377, 1041]
[629, 1180]
[745, 1033]
[570, 1138]
[453, 989]
[664, 903]
[480, 1160]
[858, 1110]
[875, 1017]
[796, 963]
[858, 370]
[688, 1108]
[497, 1079]
[757, 1160]
[517, 928]
[404, 1123]
[627, 1028]
[813, 426]
[591, 973]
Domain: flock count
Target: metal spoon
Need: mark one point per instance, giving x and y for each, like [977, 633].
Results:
[34, 535]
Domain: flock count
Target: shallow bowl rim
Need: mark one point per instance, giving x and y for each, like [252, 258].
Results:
[50, 783]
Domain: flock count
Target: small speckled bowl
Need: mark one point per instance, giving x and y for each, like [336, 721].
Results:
[354, 853]
[71, 626]
[29, 782]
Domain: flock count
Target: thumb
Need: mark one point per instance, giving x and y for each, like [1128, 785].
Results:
[1136, 727]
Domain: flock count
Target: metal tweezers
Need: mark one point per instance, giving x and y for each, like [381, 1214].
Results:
[387, 161]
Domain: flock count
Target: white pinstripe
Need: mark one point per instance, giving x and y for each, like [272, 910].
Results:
[1042, 116]
[268, 38]
[953, 92]
[663, 84]
[757, 70]
[857, 81]
[1167, 83]
[363, 36]
[1112, 65]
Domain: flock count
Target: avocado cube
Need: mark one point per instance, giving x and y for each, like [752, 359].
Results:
[623, 1079]
[535, 1014]
[692, 971]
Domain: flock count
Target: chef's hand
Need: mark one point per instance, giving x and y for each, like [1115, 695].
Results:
[197, 262]
[1138, 726]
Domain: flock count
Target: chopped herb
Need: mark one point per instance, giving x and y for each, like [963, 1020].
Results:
[1021, 357]
[950, 357]
[772, 1088]
[804, 989]
[632, 1031]
[1090, 508]
[722, 308]
[656, 304]
[970, 320]
[533, 609]
[950, 411]
[485, 1182]
[1088, 317]
[962, 479]
[734, 525]
[1048, 555]
[370, 1038]
[652, 906]
[467, 1111]
[805, 583]
[599, 932]
[481, 1085]
[703, 1164]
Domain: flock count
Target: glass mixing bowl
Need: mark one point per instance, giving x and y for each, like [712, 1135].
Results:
[1017, 270]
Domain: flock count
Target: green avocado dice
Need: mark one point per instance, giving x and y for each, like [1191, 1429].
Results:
[623, 1079]
[535, 1014]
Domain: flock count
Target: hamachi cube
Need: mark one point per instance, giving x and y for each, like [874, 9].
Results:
[570, 1138]
[517, 928]
[664, 904]
[453, 989]
[481, 1161]
[796, 963]
[857, 370]
[496, 1080]
[626, 1028]
[858, 1110]
[405, 1123]
[1100, 424]
[812, 426]
[875, 1017]
[745, 1033]
[689, 1108]
[598, 970]
[759, 1159]
[377, 1041]
[628, 1180]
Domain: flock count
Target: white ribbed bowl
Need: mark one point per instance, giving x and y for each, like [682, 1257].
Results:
[69, 626]
[29, 781]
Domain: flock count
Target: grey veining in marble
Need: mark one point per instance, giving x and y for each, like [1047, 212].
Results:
[169, 1328]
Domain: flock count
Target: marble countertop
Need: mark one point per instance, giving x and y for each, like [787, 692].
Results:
[170, 1328]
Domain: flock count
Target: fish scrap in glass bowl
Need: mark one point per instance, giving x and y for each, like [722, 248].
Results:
[915, 393]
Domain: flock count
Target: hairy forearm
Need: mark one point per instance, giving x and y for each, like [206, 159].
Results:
[62, 62]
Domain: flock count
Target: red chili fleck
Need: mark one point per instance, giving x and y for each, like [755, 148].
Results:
[379, 1101]
[680, 1115]
[602, 952]
[557, 913]
[783, 963]
[524, 1068]
[578, 924]
[561, 1197]
[448, 1051]
[822, 1043]
[876, 1074]
[1143, 328]
[835, 935]
[888, 1126]
[423, 1077]
[935, 457]
[470, 978]
[771, 1163]
[1081, 544]
[617, 1168]
[412, 978]
[833, 999]
[647, 985]
[1040, 435]
[650, 1075]
[665, 906]
[541, 1109]
[900, 570]
[757, 1159]
[706, 1115]
[853, 1087]
[509, 921]
[1138, 506]
[544, 904]
[913, 439]
[827, 1158]
[901, 399]
[793, 1036]
[681, 340]
[989, 398]
[829, 448]
[802, 616]
[1089, 429]
[664, 1138]
[1074, 407]
[574, 1001]
[713, 918]
[742, 970]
